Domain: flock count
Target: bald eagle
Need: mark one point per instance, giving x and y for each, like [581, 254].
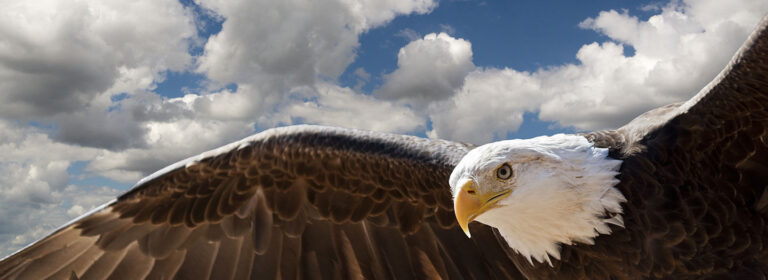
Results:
[679, 192]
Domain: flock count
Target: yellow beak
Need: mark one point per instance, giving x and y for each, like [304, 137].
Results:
[469, 204]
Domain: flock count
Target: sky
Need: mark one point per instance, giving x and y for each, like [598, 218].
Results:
[96, 94]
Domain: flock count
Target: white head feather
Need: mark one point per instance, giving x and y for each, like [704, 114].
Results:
[562, 189]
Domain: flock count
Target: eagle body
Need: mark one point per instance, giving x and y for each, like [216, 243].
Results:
[685, 216]
[680, 194]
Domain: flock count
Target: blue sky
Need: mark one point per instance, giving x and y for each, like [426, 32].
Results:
[524, 35]
[96, 94]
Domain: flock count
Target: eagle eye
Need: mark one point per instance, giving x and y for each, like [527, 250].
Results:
[504, 172]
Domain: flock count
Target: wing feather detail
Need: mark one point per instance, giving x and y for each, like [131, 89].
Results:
[695, 178]
[296, 202]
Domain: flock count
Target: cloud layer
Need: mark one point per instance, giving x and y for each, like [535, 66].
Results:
[57, 57]
[676, 53]
[35, 193]
[428, 70]
[81, 77]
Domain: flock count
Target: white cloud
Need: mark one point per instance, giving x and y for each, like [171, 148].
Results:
[338, 106]
[167, 142]
[94, 128]
[34, 191]
[362, 74]
[408, 34]
[284, 44]
[489, 105]
[85, 69]
[23, 224]
[429, 70]
[227, 105]
[29, 144]
[56, 57]
[676, 53]
[363, 77]
[447, 28]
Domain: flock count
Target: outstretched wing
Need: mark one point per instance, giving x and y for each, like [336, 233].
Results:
[695, 175]
[298, 202]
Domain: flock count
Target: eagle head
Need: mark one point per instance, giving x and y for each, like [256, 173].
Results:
[539, 193]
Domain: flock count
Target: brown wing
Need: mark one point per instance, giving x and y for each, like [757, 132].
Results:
[299, 202]
[695, 177]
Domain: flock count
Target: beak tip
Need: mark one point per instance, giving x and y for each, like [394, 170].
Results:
[465, 228]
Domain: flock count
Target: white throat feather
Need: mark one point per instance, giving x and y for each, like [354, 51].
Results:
[562, 192]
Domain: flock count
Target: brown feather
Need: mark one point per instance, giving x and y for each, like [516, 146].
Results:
[234, 226]
[198, 261]
[362, 248]
[342, 204]
[231, 200]
[179, 210]
[134, 265]
[409, 216]
[213, 202]
[56, 260]
[350, 259]
[311, 268]
[245, 259]
[261, 225]
[267, 264]
[289, 202]
[214, 233]
[318, 249]
[362, 210]
[165, 240]
[103, 267]
[227, 258]
[290, 257]
[167, 267]
[101, 222]
[119, 239]
[295, 227]
[196, 212]
[79, 265]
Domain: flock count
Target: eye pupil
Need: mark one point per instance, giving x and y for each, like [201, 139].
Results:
[504, 172]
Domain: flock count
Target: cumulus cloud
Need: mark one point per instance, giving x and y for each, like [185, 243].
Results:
[85, 70]
[489, 105]
[34, 185]
[115, 130]
[677, 52]
[29, 144]
[275, 49]
[429, 70]
[56, 57]
[283, 44]
[23, 224]
[167, 142]
[339, 106]
[69, 76]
